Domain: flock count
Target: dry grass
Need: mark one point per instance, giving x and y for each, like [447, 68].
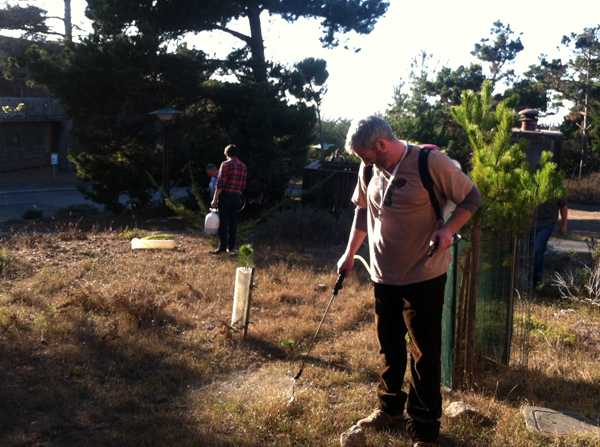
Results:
[102, 346]
[585, 190]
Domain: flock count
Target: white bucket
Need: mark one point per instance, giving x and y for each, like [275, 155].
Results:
[211, 222]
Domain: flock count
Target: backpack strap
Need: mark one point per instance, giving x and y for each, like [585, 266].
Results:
[368, 174]
[368, 171]
[427, 181]
[425, 176]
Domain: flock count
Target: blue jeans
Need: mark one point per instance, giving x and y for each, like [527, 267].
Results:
[542, 234]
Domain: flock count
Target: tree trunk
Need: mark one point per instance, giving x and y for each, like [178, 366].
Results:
[320, 126]
[257, 47]
[68, 24]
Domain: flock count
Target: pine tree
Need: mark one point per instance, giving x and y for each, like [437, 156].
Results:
[577, 80]
[510, 189]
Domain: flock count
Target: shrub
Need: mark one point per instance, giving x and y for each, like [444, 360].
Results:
[33, 214]
[246, 256]
[583, 284]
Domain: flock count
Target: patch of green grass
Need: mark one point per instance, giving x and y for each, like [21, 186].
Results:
[129, 233]
[552, 333]
[159, 236]
[287, 343]
[5, 260]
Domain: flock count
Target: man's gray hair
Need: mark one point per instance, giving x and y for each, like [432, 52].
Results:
[363, 133]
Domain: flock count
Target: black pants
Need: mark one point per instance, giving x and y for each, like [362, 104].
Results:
[415, 309]
[229, 209]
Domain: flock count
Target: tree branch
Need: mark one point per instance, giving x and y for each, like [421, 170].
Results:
[53, 33]
[239, 35]
[62, 20]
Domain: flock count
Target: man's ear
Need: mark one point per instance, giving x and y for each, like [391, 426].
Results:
[380, 144]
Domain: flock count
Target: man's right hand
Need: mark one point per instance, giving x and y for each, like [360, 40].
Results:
[345, 263]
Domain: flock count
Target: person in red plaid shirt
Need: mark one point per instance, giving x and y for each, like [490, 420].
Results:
[231, 182]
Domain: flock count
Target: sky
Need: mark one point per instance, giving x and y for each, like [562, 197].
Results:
[361, 83]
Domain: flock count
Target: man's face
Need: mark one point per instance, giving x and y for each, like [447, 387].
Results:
[367, 156]
[373, 155]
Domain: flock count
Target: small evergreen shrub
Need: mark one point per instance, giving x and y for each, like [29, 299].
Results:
[246, 256]
[33, 214]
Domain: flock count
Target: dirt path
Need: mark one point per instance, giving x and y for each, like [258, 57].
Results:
[584, 218]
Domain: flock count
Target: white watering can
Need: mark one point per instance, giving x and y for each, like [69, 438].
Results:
[211, 222]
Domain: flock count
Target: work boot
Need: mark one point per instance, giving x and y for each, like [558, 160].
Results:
[380, 420]
[423, 433]
[218, 251]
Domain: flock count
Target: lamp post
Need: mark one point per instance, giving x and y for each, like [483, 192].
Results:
[166, 115]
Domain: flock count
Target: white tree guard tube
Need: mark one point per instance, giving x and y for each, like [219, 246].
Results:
[241, 297]
[146, 244]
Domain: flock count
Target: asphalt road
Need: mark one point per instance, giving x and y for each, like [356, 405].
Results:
[13, 203]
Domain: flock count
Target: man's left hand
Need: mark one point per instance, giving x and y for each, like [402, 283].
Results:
[443, 236]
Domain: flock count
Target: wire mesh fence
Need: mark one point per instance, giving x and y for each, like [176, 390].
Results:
[505, 287]
[494, 318]
[523, 293]
[494, 302]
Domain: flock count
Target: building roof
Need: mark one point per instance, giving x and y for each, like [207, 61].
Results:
[36, 109]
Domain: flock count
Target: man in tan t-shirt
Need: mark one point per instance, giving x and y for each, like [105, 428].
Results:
[394, 210]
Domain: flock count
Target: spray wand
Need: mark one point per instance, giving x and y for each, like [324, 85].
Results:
[336, 288]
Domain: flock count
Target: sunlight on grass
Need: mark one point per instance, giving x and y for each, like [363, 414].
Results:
[90, 330]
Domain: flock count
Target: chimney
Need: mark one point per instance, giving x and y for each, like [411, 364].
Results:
[529, 118]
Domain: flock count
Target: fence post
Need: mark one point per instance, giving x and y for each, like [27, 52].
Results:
[472, 302]
[464, 356]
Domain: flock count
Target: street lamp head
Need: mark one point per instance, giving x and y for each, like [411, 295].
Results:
[166, 114]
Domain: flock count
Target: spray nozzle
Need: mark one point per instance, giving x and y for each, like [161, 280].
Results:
[339, 283]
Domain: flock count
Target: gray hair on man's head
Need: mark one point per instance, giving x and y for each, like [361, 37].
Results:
[363, 133]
